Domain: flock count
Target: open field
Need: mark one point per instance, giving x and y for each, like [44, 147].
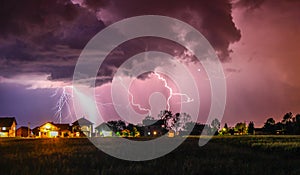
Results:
[222, 155]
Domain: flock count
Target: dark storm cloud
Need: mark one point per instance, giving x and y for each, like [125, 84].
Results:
[16, 17]
[43, 36]
[249, 4]
[255, 4]
[96, 4]
[47, 36]
[212, 18]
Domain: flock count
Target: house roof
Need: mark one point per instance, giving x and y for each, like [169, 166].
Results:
[7, 121]
[103, 126]
[82, 121]
[63, 126]
[23, 127]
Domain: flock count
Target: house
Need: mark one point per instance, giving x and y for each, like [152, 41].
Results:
[35, 131]
[103, 130]
[154, 127]
[23, 131]
[64, 130]
[8, 127]
[50, 130]
[258, 131]
[82, 127]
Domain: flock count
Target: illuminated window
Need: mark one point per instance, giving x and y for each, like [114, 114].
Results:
[3, 128]
[53, 133]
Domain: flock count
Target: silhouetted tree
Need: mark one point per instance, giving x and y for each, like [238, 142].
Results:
[116, 126]
[287, 118]
[176, 122]
[269, 126]
[251, 128]
[287, 122]
[184, 118]
[297, 124]
[226, 126]
[167, 117]
[195, 128]
[225, 129]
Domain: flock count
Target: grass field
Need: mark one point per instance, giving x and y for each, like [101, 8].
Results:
[222, 155]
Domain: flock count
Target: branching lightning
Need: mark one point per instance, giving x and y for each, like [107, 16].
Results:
[63, 107]
[171, 93]
[132, 99]
[63, 102]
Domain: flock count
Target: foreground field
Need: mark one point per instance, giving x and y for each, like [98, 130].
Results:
[222, 155]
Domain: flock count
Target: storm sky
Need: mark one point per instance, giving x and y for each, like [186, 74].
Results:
[256, 40]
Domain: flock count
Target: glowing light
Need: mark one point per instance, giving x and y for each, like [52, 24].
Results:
[53, 133]
[154, 132]
[47, 126]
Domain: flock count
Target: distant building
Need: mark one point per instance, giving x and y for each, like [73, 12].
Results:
[154, 127]
[103, 130]
[258, 131]
[82, 127]
[8, 126]
[50, 130]
[64, 130]
[24, 131]
[35, 131]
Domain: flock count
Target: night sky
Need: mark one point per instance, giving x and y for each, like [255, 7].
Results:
[256, 40]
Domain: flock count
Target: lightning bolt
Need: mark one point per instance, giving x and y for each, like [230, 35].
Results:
[132, 99]
[171, 93]
[63, 102]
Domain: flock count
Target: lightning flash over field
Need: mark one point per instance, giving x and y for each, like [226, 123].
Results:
[63, 108]
[65, 96]
[171, 94]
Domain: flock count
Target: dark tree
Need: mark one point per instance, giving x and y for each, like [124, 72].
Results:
[117, 126]
[169, 119]
[251, 128]
[231, 131]
[269, 126]
[287, 118]
[287, 122]
[194, 128]
[226, 127]
[297, 124]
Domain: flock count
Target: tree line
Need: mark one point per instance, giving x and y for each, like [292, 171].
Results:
[289, 125]
[181, 123]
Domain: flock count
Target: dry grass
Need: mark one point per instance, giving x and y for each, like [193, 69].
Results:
[222, 155]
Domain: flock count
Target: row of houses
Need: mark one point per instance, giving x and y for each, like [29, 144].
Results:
[80, 128]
